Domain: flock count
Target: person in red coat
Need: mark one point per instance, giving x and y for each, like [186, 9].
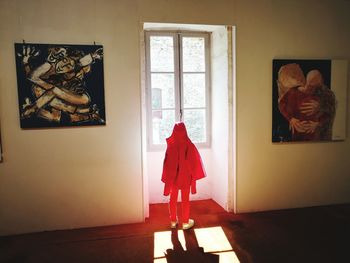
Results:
[182, 167]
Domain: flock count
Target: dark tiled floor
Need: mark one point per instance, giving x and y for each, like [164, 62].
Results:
[318, 234]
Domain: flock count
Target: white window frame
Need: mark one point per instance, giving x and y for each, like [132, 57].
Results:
[178, 85]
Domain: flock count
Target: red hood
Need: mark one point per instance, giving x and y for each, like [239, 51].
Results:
[179, 133]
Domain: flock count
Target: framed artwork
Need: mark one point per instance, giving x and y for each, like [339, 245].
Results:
[309, 100]
[60, 85]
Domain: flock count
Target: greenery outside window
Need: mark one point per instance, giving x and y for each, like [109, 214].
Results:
[177, 73]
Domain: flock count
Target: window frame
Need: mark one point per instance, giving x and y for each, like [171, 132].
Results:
[178, 83]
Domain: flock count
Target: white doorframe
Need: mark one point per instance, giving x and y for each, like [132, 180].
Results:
[232, 176]
[232, 179]
[144, 124]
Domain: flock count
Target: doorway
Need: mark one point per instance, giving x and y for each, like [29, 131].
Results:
[218, 158]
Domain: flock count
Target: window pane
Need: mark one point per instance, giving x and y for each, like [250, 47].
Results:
[194, 90]
[195, 123]
[163, 95]
[162, 123]
[162, 54]
[193, 54]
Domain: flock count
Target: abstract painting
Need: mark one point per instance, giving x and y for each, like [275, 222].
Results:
[60, 85]
[309, 100]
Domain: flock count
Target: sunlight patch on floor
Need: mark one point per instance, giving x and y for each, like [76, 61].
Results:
[160, 260]
[227, 257]
[162, 242]
[212, 240]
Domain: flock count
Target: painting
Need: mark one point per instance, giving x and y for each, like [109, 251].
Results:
[309, 100]
[60, 85]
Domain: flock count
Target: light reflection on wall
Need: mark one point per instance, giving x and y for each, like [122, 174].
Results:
[212, 240]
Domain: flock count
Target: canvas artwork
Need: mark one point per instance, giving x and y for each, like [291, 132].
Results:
[309, 100]
[60, 85]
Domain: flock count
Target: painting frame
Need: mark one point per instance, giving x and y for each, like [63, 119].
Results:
[60, 85]
[308, 100]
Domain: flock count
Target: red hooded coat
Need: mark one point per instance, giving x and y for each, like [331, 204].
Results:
[182, 165]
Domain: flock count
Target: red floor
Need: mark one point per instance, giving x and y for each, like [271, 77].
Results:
[318, 234]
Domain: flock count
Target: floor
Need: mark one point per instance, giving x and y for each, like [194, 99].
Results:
[318, 234]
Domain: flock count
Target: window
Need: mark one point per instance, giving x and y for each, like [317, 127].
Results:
[177, 71]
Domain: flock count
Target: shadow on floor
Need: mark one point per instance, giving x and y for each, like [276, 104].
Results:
[193, 252]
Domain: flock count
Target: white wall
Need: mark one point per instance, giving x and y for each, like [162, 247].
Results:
[63, 178]
[220, 120]
[275, 176]
[72, 177]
